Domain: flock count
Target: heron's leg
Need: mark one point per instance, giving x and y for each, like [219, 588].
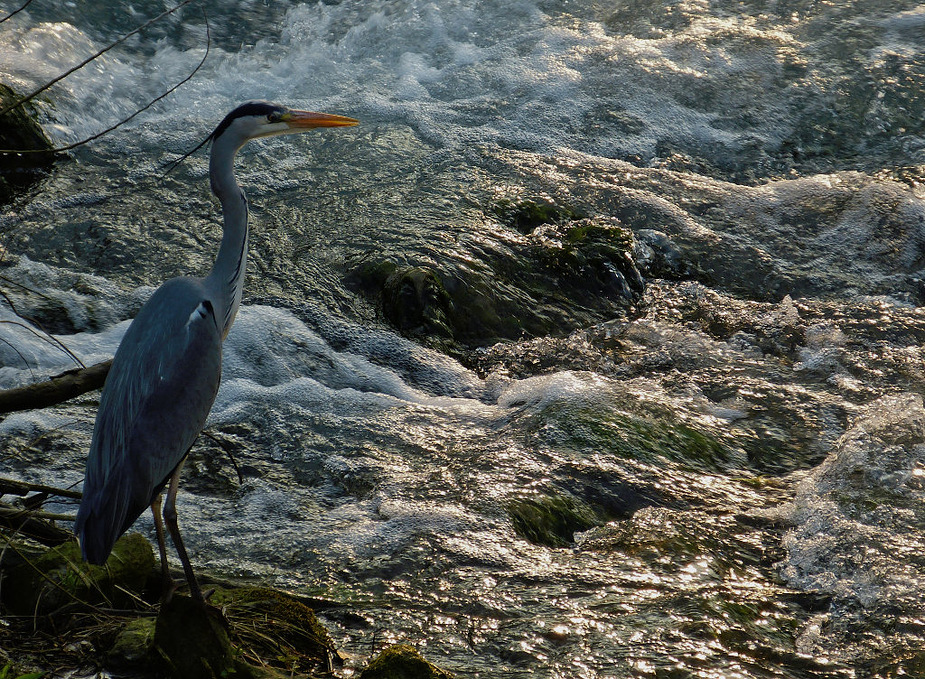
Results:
[170, 518]
[167, 582]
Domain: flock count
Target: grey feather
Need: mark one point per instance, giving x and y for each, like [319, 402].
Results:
[157, 397]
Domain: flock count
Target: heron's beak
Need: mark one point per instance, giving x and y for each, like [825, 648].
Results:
[310, 119]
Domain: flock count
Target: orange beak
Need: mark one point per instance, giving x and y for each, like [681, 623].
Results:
[310, 119]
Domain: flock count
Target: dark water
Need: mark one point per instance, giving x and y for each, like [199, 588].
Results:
[719, 476]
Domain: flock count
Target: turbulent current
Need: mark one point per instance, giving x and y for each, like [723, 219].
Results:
[658, 411]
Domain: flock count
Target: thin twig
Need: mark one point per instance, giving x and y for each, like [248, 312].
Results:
[103, 51]
[24, 287]
[51, 339]
[18, 352]
[122, 122]
[15, 12]
[46, 336]
[227, 450]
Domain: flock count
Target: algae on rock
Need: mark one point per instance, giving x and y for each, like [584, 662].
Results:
[402, 662]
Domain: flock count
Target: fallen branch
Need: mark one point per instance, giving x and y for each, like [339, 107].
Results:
[58, 389]
[35, 525]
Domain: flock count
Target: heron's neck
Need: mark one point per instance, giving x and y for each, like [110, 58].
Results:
[227, 276]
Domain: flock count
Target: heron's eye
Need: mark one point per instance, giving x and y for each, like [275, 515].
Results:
[275, 117]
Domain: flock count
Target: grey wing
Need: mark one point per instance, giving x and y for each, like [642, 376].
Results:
[157, 396]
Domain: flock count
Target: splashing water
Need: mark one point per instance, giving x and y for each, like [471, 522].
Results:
[722, 480]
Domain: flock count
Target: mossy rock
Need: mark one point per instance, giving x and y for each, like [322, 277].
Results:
[134, 645]
[591, 256]
[19, 131]
[402, 662]
[59, 579]
[551, 520]
[255, 624]
[568, 272]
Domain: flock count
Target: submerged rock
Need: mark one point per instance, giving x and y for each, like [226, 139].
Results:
[402, 662]
[551, 520]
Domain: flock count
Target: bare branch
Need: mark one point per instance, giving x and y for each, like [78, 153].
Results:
[35, 525]
[56, 390]
[79, 66]
[15, 12]
[14, 487]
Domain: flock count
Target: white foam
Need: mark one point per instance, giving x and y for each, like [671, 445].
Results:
[462, 73]
[857, 514]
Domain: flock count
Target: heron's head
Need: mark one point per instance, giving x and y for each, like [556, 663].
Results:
[257, 119]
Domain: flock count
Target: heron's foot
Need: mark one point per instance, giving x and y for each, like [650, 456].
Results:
[169, 588]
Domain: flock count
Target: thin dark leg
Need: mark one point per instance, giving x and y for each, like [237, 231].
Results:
[170, 518]
[166, 580]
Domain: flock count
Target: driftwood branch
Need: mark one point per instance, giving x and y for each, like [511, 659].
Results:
[56, 390]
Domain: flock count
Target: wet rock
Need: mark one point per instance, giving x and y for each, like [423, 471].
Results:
[565, 271]
[59, 580]
[415, 301]
[658, 256]
[402, 662]
[18, 130]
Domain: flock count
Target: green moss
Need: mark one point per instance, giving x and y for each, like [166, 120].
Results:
[526, 215]
[402, 662]
[134, 645]
[9, 671]
[588, 231]
[276, 626]
[59, 579]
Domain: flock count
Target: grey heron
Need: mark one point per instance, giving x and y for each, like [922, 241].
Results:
[166, 371]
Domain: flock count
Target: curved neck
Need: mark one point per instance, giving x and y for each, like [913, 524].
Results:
[226, 280]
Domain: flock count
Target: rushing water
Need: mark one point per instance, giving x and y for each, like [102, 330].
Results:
[736, 459]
